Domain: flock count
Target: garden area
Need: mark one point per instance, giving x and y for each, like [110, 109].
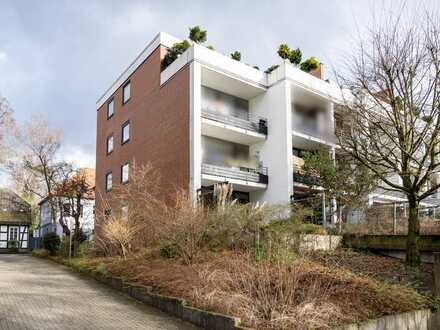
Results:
[233, 260]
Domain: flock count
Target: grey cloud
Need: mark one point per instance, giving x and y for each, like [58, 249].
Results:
[60, 56]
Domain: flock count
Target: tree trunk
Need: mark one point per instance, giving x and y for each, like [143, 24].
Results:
[412, 248]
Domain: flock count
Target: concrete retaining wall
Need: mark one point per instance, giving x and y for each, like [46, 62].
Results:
[320, 242]
[415, 320]
[426, 243]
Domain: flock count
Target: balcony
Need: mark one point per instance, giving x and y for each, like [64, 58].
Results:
[307, 180]
[243, 179]
[246, 131]
[310, 130]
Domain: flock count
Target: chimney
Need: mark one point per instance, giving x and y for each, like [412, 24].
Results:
[319, 72]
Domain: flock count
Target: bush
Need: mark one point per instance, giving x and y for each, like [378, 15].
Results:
[295, 56]
[238, 226]
[51, 242]
[310, 64]
[268, 295]
[236, 55]
[197, 35]
[40, 253]
[174, 52]
[13, 245]
[284, 51]
[184, 229]
[271, 68]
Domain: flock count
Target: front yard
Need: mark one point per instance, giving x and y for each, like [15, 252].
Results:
[320, 290]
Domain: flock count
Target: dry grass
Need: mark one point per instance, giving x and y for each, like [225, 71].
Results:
[267, 295]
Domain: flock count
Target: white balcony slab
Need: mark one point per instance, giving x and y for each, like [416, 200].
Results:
[308, 142]
[238, 185]
[230, 133]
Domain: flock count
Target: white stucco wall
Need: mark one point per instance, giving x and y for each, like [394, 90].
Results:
[275, 152]
[195, 127]
[87, 221]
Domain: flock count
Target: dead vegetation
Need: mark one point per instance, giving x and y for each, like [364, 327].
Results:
[230, 260]
[305, 293]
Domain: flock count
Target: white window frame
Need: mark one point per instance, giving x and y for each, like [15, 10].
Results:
[112, 139]
[108, 183]
[124, 138]
[126, 92]
[125, 169]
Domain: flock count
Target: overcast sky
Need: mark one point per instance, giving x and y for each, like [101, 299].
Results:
[58, 57]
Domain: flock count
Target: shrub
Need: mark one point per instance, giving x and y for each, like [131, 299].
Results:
[40, 253]
[13, 245]
[310, 64]
[236, 56]
[116, 237]
[271, 68]
[238, 226]
[295, 56]
[197, 35]
[51, 242]
[174, 52]
[284, 51]
[267, 295]
[183, 230]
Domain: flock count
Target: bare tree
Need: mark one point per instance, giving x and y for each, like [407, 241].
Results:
[36, 168]
[393, 109]
[72, 192]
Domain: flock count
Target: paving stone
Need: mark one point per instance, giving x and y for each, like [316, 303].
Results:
[39, 294]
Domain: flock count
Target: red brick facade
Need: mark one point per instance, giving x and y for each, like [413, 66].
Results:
[159, 128]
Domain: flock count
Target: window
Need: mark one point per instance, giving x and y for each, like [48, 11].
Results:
[125, 136]
[13, 233]
[124, 213]
[108, 181]
[124, 173]
[126, 93]
[110, 108]
[109, 144]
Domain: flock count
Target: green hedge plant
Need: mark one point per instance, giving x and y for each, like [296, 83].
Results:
[51, 242]
[310, 64]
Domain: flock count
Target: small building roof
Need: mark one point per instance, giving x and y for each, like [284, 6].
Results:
[13, 208]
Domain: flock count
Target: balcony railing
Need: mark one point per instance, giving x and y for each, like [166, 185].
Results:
[300, 177]
[315, 132]
[249, 123]
[239, 173]
[433, 199]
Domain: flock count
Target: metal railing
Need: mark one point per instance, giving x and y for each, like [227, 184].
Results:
[249, 123]
[313, 131]
[300, 177]
[241, 173]
[429, 200]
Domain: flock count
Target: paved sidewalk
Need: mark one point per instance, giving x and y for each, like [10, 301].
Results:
[39, 294]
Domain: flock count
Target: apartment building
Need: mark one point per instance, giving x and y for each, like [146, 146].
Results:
[207, 119]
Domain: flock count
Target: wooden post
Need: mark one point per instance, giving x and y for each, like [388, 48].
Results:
[436, 270]
[394, 219]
